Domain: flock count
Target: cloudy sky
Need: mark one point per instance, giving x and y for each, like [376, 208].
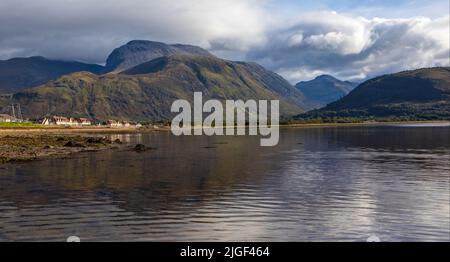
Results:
[350, 39]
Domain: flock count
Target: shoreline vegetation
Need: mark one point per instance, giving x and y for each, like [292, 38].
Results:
[21, 142]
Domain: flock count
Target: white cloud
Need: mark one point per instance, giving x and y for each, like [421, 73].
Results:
[295, 40]
[354, 47]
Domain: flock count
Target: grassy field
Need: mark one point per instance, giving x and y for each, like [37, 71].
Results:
[20, 125]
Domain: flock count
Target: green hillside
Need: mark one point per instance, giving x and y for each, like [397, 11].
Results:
[147, 91]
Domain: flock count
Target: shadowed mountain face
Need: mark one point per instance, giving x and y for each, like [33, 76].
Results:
[140, 51]
[422, 93]
[325, 89]
[19, 73]
[147, 91]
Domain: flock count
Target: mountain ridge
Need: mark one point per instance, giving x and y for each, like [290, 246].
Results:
[324, 89]
[420, 94]
[19, 73]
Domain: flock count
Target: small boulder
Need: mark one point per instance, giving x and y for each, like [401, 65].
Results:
[92, 140]
[73, 144]
[140, 148]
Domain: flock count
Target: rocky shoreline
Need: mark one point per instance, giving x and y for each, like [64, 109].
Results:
[27, 147]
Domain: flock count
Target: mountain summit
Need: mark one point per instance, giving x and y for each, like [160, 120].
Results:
[140, 51]
[325, 89]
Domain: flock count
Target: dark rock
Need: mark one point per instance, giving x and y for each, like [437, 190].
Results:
[140, 148]
[98, 140]
[95, 140]
[92, 140]
[73, 144]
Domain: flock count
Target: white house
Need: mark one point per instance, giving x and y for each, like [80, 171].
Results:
[84, 122]
[114, 123]
[7, 118]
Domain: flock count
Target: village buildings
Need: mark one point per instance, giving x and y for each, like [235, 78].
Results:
[7, 118]
[66, 121]
[121, 124]
[80, 122]
[114, 123]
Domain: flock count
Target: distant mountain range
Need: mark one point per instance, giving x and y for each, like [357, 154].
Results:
[19, 73]
[419, 94]
[324, 89]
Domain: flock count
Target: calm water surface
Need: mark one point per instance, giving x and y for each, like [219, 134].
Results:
[318, 184]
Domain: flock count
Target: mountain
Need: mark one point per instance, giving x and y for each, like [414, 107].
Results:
[418, 94]
[19, 73]
[324, 89]
[140, 51]
[146, 91]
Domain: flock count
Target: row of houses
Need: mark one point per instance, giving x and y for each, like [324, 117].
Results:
[70, 121]
[66, 121]
[115, 123]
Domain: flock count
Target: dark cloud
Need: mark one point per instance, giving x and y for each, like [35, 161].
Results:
[89, 30]
[343, 45]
